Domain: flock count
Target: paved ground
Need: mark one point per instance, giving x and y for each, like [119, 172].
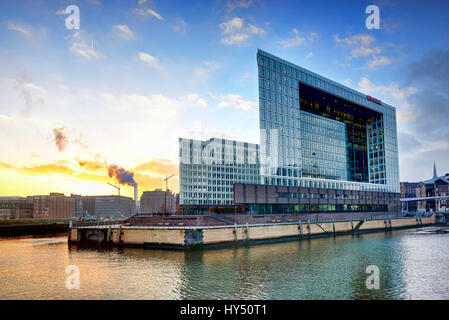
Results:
[221, 220]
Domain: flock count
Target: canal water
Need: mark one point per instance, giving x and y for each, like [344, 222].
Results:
[413, 264]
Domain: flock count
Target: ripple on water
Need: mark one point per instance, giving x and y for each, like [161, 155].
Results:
[412, 263]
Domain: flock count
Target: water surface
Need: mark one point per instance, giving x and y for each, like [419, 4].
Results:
[413, 264]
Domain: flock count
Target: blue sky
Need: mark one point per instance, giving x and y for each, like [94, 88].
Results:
[139, 74]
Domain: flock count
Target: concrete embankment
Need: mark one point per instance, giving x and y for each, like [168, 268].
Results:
[184, 236]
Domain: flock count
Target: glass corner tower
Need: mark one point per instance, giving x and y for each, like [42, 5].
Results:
[315, 132]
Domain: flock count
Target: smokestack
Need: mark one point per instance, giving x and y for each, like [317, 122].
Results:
[136, 197]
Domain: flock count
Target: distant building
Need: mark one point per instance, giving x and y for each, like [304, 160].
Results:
[16, 208]
[104, 206]
[442, 189]
[436, 186]
[178, 207]
[156, 201]
[54, 205]
[408, 190]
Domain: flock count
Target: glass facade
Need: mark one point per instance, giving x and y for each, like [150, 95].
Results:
[208, 170]
[315, 208]
[323, 146]
[290, 98]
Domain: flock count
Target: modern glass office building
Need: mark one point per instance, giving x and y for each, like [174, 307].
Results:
[209, 169]
[325, 131]
[324, 147]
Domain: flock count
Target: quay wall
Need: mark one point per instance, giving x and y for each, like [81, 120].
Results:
[203, 236]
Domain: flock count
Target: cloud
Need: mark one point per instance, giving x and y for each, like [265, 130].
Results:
[81, 46]
[123, 31]
[162, 109]
[48, 169]
[309, 55]
[19, 28]
[148, 182]
[141, 2]
[30, 92]
[207, 68]
[292, 42]
[432, 70]
[408, 143]
[363, 46]
[61, 140]
[92, 165]
[235, 4]
[196, 101]
[236, 101]
[61, 12]
[393, 90]
[245, 76]
[235, 32]
[360, 45]
[158, 167]
[180, 27]
[148, 59]
[379, 61]
[298, 39]
[147, 12]
[149, 175]
[425, 135]
[5, 165]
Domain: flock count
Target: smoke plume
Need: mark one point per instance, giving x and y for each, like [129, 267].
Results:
[122, 175]
[60, 139]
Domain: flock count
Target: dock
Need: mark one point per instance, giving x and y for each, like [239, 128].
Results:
[187, 232]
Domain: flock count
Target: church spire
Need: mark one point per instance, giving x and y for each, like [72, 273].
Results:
[434, 171]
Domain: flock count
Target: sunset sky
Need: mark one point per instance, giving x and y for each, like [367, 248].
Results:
[139, 74]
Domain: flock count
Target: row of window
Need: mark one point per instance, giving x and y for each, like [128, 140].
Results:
[378, 197]
[317, 183]
[315, 208]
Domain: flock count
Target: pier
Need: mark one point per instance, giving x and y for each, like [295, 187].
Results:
[186, 232]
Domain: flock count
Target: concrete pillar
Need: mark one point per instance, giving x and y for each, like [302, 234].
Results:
[308, 227]
[119, 234]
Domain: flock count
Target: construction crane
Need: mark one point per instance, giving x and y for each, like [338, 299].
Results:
[117, 187]
[166, 188]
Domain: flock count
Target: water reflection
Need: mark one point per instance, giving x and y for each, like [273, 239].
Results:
[412, 264]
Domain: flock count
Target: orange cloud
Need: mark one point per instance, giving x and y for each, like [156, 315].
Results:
[148, 183]
[47, 169]
[92, 165]
[159, 166]
[6, 165]
[92, 177]
[149, 176]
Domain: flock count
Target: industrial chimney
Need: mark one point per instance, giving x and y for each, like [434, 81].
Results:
[136, 197]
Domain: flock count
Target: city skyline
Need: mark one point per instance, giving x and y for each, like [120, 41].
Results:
[137, 76]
